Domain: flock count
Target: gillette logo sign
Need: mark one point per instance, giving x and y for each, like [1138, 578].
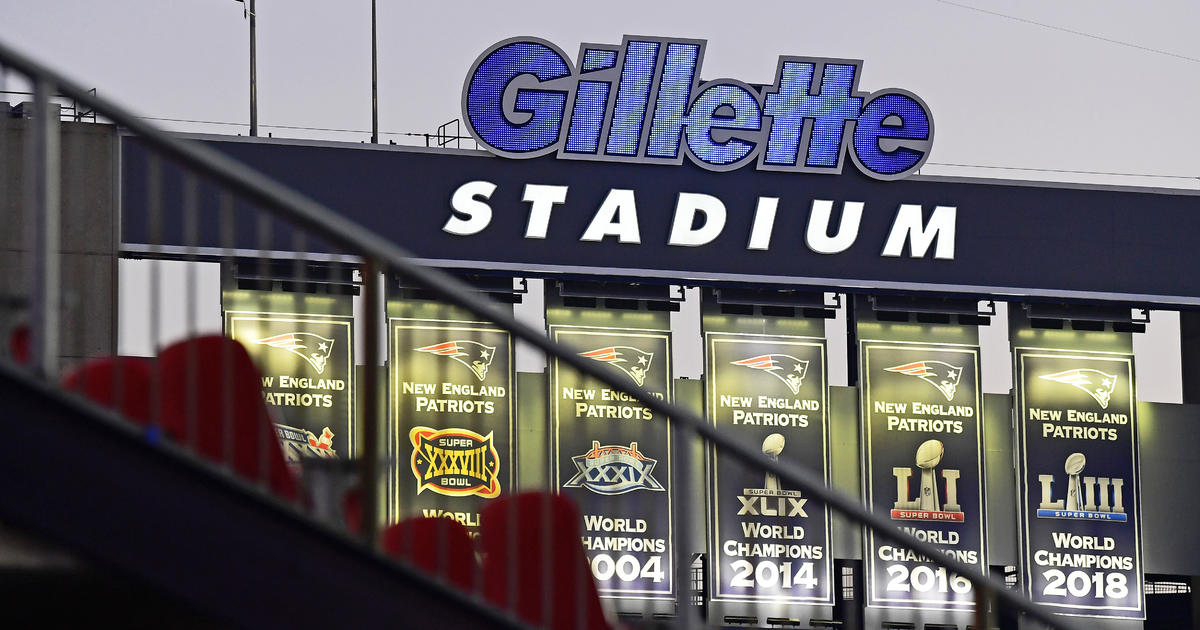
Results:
[644, 102]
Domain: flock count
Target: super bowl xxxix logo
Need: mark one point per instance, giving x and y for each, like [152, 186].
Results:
[928, 506]
[631, 361]
[472, 354]
[614, 470]
[784, 367]
[314, 349]
[455, 462]
[1099, 385]
[1080, 502]
[942, 376]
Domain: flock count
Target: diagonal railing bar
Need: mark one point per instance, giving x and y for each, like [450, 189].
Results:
[388, 256]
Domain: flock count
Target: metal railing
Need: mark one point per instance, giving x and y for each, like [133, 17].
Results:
[255, 209]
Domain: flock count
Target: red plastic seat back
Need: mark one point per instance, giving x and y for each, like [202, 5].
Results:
[18, 344]
[440, 546]
[123, 384]
[534, 564]
[211, 401]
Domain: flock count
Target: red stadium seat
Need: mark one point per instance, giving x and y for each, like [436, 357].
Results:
[440, 546]
[534, 561]
[212, 401]
[18, 344]
[123, 384]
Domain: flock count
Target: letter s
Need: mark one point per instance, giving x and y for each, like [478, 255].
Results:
[469, 199]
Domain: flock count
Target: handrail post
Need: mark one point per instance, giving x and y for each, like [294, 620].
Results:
[369, 458]
[684, 487]
[42, 212]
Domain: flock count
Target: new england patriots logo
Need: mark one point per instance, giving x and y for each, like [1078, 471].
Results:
[631, 361]
[942, 376]
[1097, 384]
[312, 348]
[784, 367]
[472, 354]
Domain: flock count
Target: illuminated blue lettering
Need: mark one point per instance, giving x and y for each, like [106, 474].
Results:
[705, 116]
[591, 101]
[674, 91]
[891, 116]
[484, 100]
[628, 107]
[791, 106]
[633, 96]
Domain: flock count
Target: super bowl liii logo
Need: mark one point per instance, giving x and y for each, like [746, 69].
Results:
[927, 506]
[1080, 501]
[455, 462]
[611, 470]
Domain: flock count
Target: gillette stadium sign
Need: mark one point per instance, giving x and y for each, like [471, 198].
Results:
[624, 162]
[644, 102]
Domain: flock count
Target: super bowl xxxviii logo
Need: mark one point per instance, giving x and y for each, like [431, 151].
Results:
[929, 504]
[788, 369]
[1081, 500]
[614, 470]
[314, 349]
[633, 362]
[1099, 385]
[942, 376]
[476, 356]
[455, 462]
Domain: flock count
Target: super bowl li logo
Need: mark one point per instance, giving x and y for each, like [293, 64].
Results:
[611, 470]
[928, 504]
[455, 462]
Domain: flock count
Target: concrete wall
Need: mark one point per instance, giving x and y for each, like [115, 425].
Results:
[89, 202]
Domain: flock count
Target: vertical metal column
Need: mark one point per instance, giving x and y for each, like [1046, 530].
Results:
[42, 212]
[374, 79]
[369, 459]
[253, 74]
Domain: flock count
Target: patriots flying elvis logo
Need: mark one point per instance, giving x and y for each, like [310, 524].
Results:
[784, 367]
[943, 376]
[1097, 384]
[472, 354]
[312, 348]
[631, 361]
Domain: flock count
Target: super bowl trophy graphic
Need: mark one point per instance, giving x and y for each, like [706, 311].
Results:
[772, 446]
[929, 455]
[1074, 466]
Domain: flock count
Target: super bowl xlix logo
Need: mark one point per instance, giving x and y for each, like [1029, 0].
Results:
[472, 354]
[788, 369]
[1080, 502]
[633, 362]
[314, 349]
[614, 470]
[1099, 385]
[942, 376]
[455, 462]
[928, 505]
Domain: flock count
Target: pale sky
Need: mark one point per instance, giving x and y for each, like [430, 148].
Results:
[1081, 91]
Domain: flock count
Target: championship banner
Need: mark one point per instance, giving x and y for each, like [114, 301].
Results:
[1078, 488]
[612, 455]
[303, 347]
[768, 542]
[922, 432]
[451, 439]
